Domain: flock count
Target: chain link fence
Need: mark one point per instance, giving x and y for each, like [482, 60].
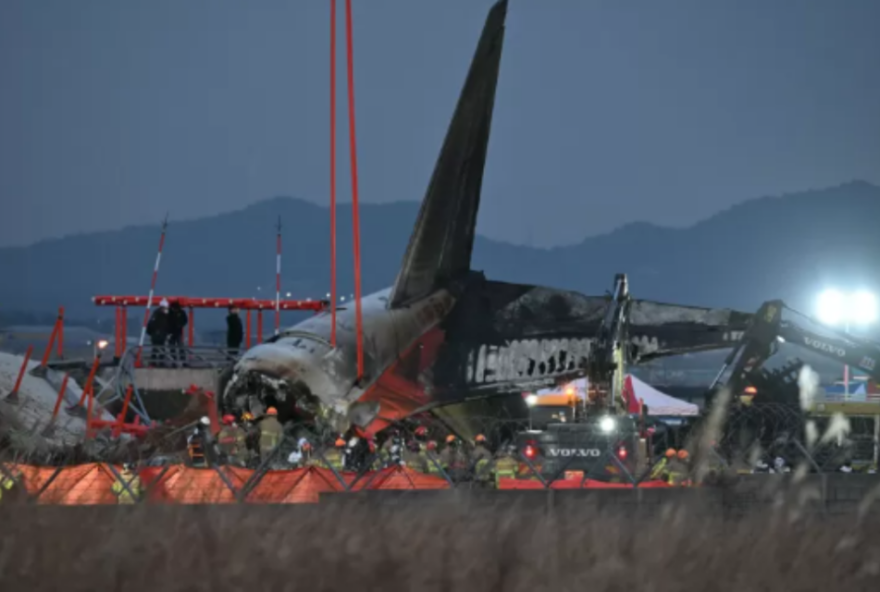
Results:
[188, 464]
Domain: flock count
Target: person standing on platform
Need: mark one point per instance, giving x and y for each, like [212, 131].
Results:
[158, 328]
[234, 331]
[177, 321]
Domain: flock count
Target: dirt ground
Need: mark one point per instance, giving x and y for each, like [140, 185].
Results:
[359, 546]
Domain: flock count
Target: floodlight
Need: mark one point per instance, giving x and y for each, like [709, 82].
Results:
[532, 400]
[607, 424]
[863, 308]
[102, 344]
[830, 307]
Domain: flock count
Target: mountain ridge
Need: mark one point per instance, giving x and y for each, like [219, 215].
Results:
[785, 246]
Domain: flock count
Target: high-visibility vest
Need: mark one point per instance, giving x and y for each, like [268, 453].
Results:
[432, 465]
[658, 469]
[270, 434]
[481, 470]
[6, 484]
[122, 494]
[505, 468]
[333, 459]
[231, 440]
[196, 449]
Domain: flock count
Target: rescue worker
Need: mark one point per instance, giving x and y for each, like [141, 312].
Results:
[780, 466]
[177, 321]
[234, 331]
[685, 458]
[251, 438]
[391, 453]
[447, 455]
[428, 458]
[10, 485]
[199, 443]
[506, 465]
[481, 461]
[678, 472]
[157, 329]
[412, 457]
[333, 457]
[349, 455]
[127, 487]
[421, 438]
[231, 441]
[660, 468]
[271, 433]
[305, 450]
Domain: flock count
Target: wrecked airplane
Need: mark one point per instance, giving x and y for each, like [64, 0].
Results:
[444, 336]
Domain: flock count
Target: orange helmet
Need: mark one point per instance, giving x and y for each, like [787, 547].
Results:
[339, 443]
[228, 419]
[480, 438]
[271, 411]
[683, 454]
[670, 453]
[450, 438]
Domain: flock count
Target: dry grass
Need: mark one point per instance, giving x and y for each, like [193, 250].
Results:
[427, 546]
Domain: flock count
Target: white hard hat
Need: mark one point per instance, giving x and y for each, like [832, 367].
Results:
[163, 303]
[205, 421]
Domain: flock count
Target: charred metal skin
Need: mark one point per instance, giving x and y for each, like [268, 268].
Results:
[444, 338]
[303, 375]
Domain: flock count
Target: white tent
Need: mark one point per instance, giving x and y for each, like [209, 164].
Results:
[659, 404]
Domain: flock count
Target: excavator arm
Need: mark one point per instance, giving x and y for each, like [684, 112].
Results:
[606, 367]
[768, 330]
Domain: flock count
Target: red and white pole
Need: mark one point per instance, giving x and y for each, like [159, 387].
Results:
[152, 290]
[278, 280]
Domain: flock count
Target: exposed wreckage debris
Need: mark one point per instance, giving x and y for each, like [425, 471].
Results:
[443, 335]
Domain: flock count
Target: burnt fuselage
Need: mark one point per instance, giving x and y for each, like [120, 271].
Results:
[486, 338]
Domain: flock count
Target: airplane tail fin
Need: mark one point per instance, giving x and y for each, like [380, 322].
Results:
[440, 247]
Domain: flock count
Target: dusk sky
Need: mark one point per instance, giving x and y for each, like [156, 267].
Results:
[113, 112]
